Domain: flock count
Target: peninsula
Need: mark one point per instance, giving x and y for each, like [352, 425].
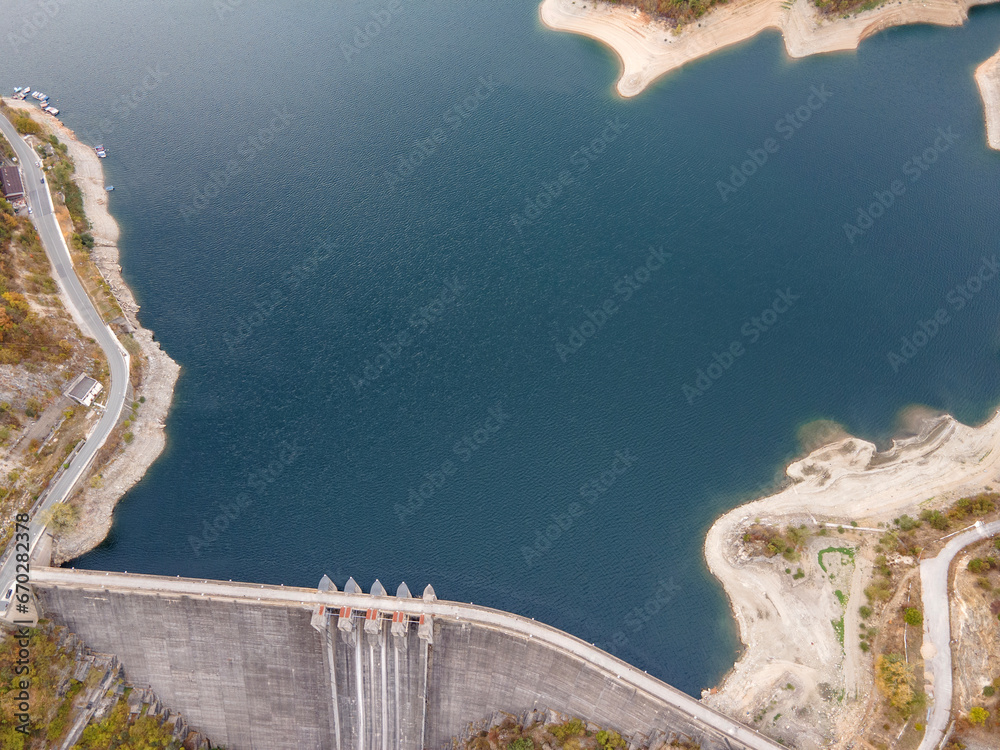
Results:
[649, 47]
[828, 583]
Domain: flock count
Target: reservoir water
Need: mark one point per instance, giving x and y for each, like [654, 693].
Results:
[447, 307]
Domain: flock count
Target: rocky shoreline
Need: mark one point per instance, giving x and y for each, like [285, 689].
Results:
[158, 373]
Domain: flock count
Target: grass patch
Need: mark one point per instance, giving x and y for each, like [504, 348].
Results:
[847, 551]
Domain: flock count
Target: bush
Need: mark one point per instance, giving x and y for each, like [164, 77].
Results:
[913, 617]
[936, 519]
[521, 744]
[978, 565]
[865, 611]
[572, 728]
[894, 679]
[905, 523]
[978, 716]
[980, 505]
[989, 690]
[609, 740]
[879, 590]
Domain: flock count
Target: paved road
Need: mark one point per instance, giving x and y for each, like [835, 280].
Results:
[90, 322]
[937, 629]
[296, 597]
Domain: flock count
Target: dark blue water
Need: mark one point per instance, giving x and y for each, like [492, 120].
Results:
[222, 242]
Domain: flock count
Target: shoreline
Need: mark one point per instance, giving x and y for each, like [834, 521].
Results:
[988, 80]
[648, 49]
[847, 480]
[159, 374]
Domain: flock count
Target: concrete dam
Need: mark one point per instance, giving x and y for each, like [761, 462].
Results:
[259, 667]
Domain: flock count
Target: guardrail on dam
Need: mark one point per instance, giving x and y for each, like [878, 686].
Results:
[274, 667]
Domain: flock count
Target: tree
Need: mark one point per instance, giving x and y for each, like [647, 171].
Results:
[913, 617]
[522, 743]
[978, 716]
[894, 678]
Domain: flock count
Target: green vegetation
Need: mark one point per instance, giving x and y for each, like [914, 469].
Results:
[115, 733]
[913, 617]
[675, 12]
[838, 627]
[522, 743]
[841, 597]
[989, 691]
[799, 573]
[770, 541]
[865, 611]
[846, 551]
[610, 740]
[61, 177]
[24, 124]
[895, 680]
[936, 519]
[980, 565]
[572, 728]
[978, 716]
[905, 523]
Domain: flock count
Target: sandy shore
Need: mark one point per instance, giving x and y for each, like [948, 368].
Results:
[784, 632]
[159, 373]
[988, 79]
[649, 49]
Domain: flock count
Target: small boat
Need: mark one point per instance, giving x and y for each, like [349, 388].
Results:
[52, 111]
[17, 89]
[26, 90]
[109, 188]
[100, 151]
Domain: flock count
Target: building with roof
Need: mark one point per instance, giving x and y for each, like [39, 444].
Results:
[10, 184]
[84, 390]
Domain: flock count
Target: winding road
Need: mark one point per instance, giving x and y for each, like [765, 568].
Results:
[937, 629]
[90, 323]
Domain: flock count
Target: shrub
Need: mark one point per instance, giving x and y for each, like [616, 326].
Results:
[978, 716]
[865, 611]
[936, 519]
[864, 646]
[913, 617]
[980, 505]
[610, 740]
[879, 590]
[989, 690]
[521, 744]
[978, 565]
[905, 523]
[572, 728]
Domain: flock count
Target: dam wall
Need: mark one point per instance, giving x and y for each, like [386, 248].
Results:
[265, 667]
